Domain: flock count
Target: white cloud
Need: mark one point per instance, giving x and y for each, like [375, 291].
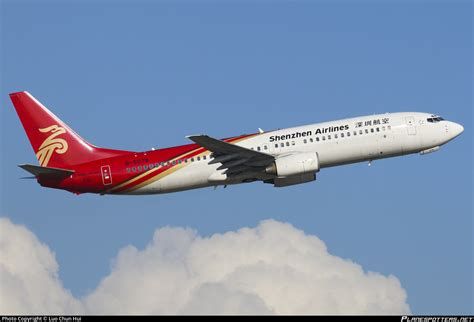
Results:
[29, 282]
[271, 269]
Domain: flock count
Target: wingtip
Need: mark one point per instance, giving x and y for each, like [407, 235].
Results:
[194, 135]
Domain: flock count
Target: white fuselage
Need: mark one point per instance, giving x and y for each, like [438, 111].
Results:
[338, 142]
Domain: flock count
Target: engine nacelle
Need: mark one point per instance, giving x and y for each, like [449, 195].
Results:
[290, 181]
[294, 164]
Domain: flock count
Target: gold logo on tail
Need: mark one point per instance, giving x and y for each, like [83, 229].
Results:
[51, 144]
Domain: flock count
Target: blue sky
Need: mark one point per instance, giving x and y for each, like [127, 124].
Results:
[137, 75]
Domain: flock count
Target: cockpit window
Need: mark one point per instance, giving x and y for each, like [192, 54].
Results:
[435, 119]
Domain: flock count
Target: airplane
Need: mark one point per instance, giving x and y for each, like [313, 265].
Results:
[281, 157]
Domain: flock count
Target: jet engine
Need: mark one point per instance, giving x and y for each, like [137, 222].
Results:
[294, 164]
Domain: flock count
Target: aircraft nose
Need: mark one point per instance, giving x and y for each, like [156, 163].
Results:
[456, 128]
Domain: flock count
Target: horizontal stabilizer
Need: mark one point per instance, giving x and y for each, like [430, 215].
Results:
[46, 172]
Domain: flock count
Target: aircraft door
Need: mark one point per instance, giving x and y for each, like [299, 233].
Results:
[411, 129]
[106, 175]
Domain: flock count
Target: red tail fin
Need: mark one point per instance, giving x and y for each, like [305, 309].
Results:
[54, 143]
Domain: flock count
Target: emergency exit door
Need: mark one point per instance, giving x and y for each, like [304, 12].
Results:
[411, 129]
[106, 175]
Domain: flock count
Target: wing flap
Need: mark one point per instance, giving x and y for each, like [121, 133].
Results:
[224, 158]
[232, 164]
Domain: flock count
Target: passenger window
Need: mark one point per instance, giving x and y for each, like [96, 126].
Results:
[287, 143]
[378, 130]
[128, 169]
[258, 148]
[317, 139]
[192, 159]
[134, 169]
[139, 168]
[305, 141]
[185, 160]
[348, 133]
[179, 161]
[198, 158]
[383, 128]
[145, 167]
[360, 132]
[372, 130]
[276, 145]
[329, 137]
[324, 138]
[366, 131]
[355, 133]
[342, 135]
[204, 157]
[335, 136]
[282, 144]
[292, 142]
[311, 139]
[151, 166]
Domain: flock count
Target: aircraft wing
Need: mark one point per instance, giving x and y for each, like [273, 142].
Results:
[234, 158]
